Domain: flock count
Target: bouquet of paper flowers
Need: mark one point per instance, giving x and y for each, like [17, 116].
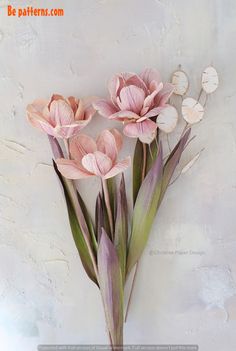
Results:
[110, 243]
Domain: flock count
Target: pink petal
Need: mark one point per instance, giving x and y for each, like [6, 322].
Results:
[81, 146]
[124, 116]
[106, 143]
[105, 108]
[151, 77]
[89, 113]
[131, 99]
[121, 80]
[118, 138]
[134, 79]
[97, 163]
[164, 95]
[153, 112]
[148, 102]
[69, 169]
[118, 168]
[74, 103]
[145, 130]
[113, 86]
[66, 132]
[61, 112]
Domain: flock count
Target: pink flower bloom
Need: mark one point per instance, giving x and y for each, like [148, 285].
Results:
[61, 118]
[90, 158]
[134, 100]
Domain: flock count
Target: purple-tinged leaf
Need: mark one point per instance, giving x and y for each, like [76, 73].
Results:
[173, 161]
[110, 282]
[121, 226]
[145, 210]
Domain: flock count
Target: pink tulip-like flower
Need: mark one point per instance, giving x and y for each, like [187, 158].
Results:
[90, 158]
[60, 117]
[134, 100]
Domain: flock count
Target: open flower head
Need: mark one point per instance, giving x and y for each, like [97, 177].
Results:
[94, 158]
[135, 100]
[60, 117]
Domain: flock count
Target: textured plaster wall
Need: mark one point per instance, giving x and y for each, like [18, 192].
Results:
[180, 297]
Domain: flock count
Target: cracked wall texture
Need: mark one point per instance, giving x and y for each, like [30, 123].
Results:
[186, 286]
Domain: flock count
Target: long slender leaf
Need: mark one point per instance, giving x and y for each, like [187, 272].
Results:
[101, 217]
[173, 161]
[145, 210]
[111, 185]
[121, 226]
[88, 220]
[110, 282]
[137, 169]
[76, 229]
[151, 154]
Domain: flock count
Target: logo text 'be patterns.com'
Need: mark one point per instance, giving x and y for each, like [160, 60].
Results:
[31, 11]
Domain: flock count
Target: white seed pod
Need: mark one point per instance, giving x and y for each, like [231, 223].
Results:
[192, 110]
[167, 119]
[180, 82]
[210, 80]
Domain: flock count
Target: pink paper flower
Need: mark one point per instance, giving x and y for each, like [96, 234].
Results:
[134, 100]
[90, 158]
[61, 118]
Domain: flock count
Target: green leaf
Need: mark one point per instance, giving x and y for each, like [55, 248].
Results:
[110, 282]
[144, 211]
[111, 186]
[88, 220]
[121, 227]
[137, 169]
[101, 218]
[76, 229]
[151, 154]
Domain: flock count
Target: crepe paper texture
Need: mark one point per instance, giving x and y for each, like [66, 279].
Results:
[111, 242]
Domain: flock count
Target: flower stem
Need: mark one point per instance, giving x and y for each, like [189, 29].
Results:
[108, 206]
[136, 267]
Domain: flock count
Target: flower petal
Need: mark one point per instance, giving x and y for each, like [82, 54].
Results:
[118, 137]
[113, 86]
[97, 163]
[69, 131]
[118, 168]
[105, 108]
[81, 146]
[69, 169]
[131, 99]
[151, 77]
[124, 116]
[145, 130]
[106, 143]
[164, 95]
[167, 119]
[154, 112]
[148, 102]
[61, 112]
[74, 103]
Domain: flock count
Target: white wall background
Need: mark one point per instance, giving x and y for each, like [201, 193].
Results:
[45, 297]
